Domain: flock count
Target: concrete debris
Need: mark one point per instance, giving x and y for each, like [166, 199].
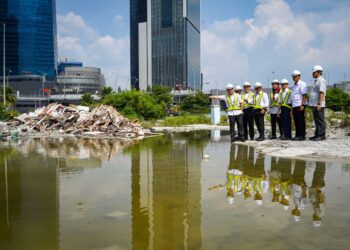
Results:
[77, 120]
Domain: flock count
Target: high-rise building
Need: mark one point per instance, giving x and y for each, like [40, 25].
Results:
[31, 36]
[165, 43]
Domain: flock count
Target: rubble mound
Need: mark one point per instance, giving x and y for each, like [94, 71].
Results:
[78, 120]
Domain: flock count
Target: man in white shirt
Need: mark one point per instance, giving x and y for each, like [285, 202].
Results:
[234, 106]
[285, 109]
[299, 97]
[248, 111]
[261, 105]
[318, 103]
[275, 119]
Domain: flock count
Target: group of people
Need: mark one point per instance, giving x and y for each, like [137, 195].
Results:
[282, 103]
[286, 186]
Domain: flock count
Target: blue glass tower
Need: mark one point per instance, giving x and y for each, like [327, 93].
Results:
[31, 44]
[165, 43]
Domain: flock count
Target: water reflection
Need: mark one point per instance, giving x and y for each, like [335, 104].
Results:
[283, 183]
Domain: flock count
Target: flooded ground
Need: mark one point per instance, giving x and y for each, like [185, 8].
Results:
[162, 193]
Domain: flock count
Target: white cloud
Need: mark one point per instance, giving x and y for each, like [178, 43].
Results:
[118, 19]
[276, 39]
[78, 41]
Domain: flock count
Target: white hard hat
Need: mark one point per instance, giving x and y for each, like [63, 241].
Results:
[316, 223]
[284, 81]
[296, 73]
[230, 200]
[286, 207]
[238, 87]
[246, 84]
[259, 202]
[317, 68]
[229, 86]
[258, 85]
[275, 81]
[296, 218]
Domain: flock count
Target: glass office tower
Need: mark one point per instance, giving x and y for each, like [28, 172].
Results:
[31, 44]
[165, 43]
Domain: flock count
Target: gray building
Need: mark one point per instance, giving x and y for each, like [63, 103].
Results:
[345, 85]
[79, 79]
[165, 43]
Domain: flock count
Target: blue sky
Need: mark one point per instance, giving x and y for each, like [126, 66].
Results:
[242, 40]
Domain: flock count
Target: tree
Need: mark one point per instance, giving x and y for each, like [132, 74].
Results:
[337, 99]
[136, 104]
[10, 96]
[196, 104]
[162, 95]
[88, 100]
[106, 91]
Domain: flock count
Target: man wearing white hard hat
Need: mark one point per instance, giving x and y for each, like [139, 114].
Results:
[299, 98]
[317, 102]
[248, 111]
[238, 89]
[274, 110]
[261, 104]
[285, 109]
[234, 111]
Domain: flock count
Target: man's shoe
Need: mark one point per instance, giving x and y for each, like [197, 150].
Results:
[296, 139]
[302, 139]
[260, 139]
[319, 139]
[286, 139]
[242, 140]
[313, 137]
[273, 137]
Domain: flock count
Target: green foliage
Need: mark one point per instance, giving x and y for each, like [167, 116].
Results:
[338, 100]
[10, 96]
[136, 104]
[196, 104]
[106, 91]
[6, 113]
[88, 100]
[162, 95]
[177, 121]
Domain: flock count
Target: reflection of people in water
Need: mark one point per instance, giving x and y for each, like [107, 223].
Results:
[248, 169]
[316, 195]
[275, 179]
[285, 167]
[299, 189]
[234, 173]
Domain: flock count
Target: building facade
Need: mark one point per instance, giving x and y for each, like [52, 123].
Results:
[165, 43]
[76, 79]
[31, 36]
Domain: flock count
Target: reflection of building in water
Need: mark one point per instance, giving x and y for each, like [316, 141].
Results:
[29, 202]
[166, 194]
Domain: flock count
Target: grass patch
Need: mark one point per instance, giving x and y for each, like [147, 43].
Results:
[178, 121]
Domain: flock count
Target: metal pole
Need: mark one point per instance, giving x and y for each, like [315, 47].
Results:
[7, 194]
[4, 66]
[115, 83]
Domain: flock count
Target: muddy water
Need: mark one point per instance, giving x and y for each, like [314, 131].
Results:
[162, 194]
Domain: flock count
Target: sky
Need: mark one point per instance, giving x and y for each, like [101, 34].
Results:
[241, 40]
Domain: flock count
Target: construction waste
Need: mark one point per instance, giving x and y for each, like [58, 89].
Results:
[74, 120]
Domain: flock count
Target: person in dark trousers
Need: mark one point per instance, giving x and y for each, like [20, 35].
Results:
[285, 109]
[274, 103]
[318, 103]
[248, 111]
[261, 104]
[299, 97]
[234, 111]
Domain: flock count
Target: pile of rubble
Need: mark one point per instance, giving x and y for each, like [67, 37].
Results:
[78, 120]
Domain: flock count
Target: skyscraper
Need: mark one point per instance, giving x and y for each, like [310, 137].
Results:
[31, 35]
[165, 43]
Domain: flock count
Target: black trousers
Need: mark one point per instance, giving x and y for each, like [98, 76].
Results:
[236, 119]
[320, 122]
[299, 122]
[248, 123]
[286, 122]
[260, 122]
[274, 121]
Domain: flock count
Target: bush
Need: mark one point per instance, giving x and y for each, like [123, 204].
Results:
[196, 104]
[162, 95]
[136, 104]
[88, 100]
[6, 113]
[177, 121]
[338, 100]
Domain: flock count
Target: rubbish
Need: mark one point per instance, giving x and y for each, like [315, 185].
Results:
[78, 120]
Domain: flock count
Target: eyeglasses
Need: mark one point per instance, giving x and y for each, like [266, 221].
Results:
[229, 89]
